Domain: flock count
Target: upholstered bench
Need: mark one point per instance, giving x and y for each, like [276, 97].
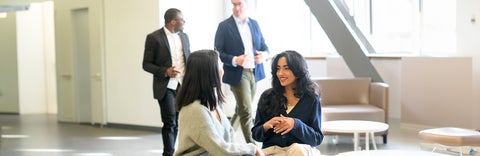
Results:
[451, 136]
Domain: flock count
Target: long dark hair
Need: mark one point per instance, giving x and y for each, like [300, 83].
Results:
[201, 81]
[303, 84]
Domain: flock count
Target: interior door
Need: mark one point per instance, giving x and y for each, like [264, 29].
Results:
[80, 65]
[87, 65]
[97, 82]
[81, 50]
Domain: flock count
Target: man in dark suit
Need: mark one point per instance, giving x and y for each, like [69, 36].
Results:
[166, 51]
[242, 51]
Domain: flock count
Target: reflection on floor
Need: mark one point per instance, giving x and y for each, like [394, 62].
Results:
[38, 135]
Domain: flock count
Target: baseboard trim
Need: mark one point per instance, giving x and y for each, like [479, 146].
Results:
[134, 127]
[417, 127]
[8, 113]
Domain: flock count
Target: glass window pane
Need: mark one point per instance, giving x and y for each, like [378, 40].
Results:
[393, 26]
[289, 25]
[425, 27]
[438, 35]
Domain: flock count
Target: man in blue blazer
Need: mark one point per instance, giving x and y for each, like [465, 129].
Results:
[166, 51]
[242, 50]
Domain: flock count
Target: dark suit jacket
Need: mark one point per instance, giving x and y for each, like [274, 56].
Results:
[157, 59]
[229, 43]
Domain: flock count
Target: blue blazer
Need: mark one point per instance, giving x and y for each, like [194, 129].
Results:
[228, 43]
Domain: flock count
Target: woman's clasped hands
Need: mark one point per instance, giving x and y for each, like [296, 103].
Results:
[280, 124]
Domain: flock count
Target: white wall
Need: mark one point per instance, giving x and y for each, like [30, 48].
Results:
[390, 69]
[8, 65]
[36, 63]
[129, 87]
[50, 63]
[468, 35]
[202, 18]
[31, 66]
[437, 91]
[32, 89]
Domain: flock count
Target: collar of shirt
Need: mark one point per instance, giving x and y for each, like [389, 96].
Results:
[168, 32]
[239, 21]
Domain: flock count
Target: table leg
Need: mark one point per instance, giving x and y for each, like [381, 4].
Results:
[335, 139]
[367, 142]
[355, 141]
[373, 140]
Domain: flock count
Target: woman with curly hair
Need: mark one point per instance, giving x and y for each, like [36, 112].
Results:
[288, 118]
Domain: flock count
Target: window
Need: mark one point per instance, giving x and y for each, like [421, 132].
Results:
[438, 29]
[407, 26]
[289, 25]
[422, 27]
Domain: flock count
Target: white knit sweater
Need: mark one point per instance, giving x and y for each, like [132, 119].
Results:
[200, 133]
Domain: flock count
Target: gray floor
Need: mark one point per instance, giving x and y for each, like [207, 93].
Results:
[39, 135]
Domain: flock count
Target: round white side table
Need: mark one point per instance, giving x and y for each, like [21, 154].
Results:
[356, 127]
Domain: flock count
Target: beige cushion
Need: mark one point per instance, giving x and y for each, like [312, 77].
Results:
[353, 112]
[451, 136]
[345, 91]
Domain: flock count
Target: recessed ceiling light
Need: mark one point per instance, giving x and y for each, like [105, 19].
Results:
[44, 150]
[156, 151]
[93, 154]
[119, 138]
[14, 136]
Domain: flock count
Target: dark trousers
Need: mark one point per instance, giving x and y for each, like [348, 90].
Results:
[169, 119]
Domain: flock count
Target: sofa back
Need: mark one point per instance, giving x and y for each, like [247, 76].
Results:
[339, 91]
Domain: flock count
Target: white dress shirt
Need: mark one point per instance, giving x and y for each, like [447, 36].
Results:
[176, 52]
[246, 35]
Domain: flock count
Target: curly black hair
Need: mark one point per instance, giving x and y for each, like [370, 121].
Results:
[273, 100]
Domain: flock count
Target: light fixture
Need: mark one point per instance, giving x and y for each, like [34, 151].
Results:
[93, 154]
[118, 138]
[47, 150]
[13, 8]
[14, 136]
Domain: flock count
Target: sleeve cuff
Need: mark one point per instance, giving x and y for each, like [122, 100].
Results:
[253, 148]
[234, 64]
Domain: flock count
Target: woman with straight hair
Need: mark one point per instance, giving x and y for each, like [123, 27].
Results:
[204, 129]
[288, 119]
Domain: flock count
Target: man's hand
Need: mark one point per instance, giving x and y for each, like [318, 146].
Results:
[171, 72]
[260, 57]
[241, 60]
